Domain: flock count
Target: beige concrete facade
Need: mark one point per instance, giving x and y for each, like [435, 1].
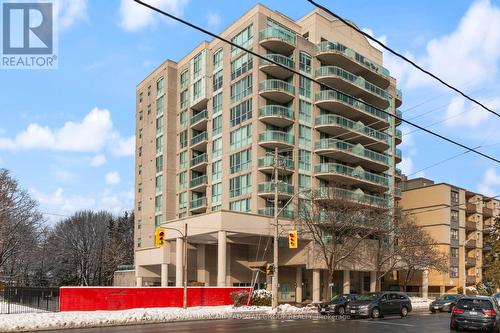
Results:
[224, 112]
[460, 222]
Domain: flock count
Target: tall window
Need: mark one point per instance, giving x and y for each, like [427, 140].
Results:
[158, 203]
[159, 87]
[183, 119]
[216, 194]
[159, 145]
[217, 80]
[305, 87]
[454, 272]
[241, 160]
[197, 90]
[304, 160]
[454, 197]
[217, 103]
[241, 137]
[182, 200]
[243, 38]
[216, 148]
[305, 136]
[183, 139]
[184, 78]
[241, 65]
[159, 125]
[217, 125]
[218, 56]
[454, 234]
[241, 89]
[304, 181]
[240, 205]
[305, 111]
[197, 65]
[241, 112]
[305, 62]
[159, 106]
[159, 184]
[183, 159]
[184, 99]
[216, 170]
[183, 180]
[159, 164]
[240, 185]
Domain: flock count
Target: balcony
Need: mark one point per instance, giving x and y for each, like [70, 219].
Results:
[337, 54]
[276, 115]
[487, 247]
[487, 212]
[470, 226]
[469, 261]
[397, 193]
[285, 191]
[199, 163]
[399, 136]
[198, 205]
[353, 85]
[471, 208]
[352, 154]
[399, 114]
[341, 127]
[470, 244]
[266, 165]
[198, 184]
[275, 70]
[277, 90]
[199, 121]
[278, 40]
[199, 141]
[269, 211]
[398, 174]
[398, 156]
[470, 280]
[348, 107]
[399, 98]
[357, 177]
[487, 230]
[358, 196]
[273, 139]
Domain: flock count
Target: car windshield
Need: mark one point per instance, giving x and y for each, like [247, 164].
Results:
[368, 297]
[474, 304]
[337, 298]
[447, 298]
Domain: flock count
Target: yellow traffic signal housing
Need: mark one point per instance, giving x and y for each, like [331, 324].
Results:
[292, 239]
[159, 237]
[269, 269]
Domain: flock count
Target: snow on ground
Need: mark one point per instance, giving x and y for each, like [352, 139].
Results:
[16, 308]
[420, 303]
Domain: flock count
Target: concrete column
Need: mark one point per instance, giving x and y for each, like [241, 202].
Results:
[138, 281]
[346, 286]
[373, 281]
[164, 275]
[202, 274]
[221, 258]
[316, 286]
[361, 277]
[298, 282]
[425, 283]
[178, 262]
[228, 264]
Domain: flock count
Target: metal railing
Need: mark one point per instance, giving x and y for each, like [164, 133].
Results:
[196, 203]
[268, 161]
[276, 111]
[28, 299]
[268, 187]
[279, 85]
[269, 211]
[278, 33]
[357, 173]
[351, 148]
[279, 58]
[203, 158]
[199, 138]
[277, 136]
[199, 117]
[331, 119]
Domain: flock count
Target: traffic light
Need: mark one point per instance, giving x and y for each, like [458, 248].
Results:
[269, 269]
[292, 239]
[159, 237]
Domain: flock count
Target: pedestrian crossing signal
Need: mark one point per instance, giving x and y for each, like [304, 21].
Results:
[159, 237]
[292, 239]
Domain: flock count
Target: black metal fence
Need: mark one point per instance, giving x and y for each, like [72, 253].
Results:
[28, 299]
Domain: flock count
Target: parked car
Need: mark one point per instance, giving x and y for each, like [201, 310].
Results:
[477, 312]
[336, 305]
[377, 305]
[445, 303]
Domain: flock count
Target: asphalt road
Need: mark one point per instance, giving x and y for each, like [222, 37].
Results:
[415, 322]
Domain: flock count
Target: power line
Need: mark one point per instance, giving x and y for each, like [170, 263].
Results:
[404, 58]
[442, 137]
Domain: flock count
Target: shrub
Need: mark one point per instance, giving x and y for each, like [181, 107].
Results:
[262, 297]
[240, 298]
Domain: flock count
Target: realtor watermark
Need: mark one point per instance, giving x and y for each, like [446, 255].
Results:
[29, 34]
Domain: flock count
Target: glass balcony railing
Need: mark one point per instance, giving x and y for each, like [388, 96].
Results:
[278, 33]
[397, 192]
[399, 153]
[398, 172]
[283, 188]
[199, 117]
[268, 161]
[201, 180]
[327, 95]
[269, 211]
[277, 136]
[199, 138]
[333, 119]
[358, 196]
[276, 111]
[399, 134]
[327, 46]
[197, 203]
[358, 149]
[399, 114]
[279, 58]
[399, 94]
[357, 80]
[351, 172]
[203, 158]
[278, 85]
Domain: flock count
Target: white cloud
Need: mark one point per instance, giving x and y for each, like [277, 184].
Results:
[71, 11]
[490, 185]
[94, 133]
[62, 176]
[98, 160]
[406, 165]
[382, 39]
[113, 178]
[461, 113]
[213, 21]
[134, 16]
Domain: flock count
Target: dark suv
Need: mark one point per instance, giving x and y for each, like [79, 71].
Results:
[445, 303]
[478, 312]
[336, 305]
[377, 305]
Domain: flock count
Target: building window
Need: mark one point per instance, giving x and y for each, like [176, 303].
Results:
[139, 242]
[240, 161]
[149, 90]
[454, 252]
[140, 133]
[183, 159]
[454, 215]
[159, 106]
[184, 99]
[183, 119]
[218, 56]
[140, 97]
[159, 164]
[216, 194]
[140, 151]
[241, 137]
[158, 220]
[183, 139]
[158, 203]
[305, 87]
[305, 136]
[182, 200]
[454, 272]
[197, 65]
[454, 197]
[217, 125]
[240, 205]
[240, 185]
[217, 103]
[243, 39]
[139, 224]
[304, 181]
[217, 80]
[139, 188]
[241, 112]
[159, 145]
[304, 160]
[241, 65]
[159, 87]
[159, 126]
[184, 78]
[241, 89]
[159, 184]
[197, 90]
[305, 111]
[140, 169]
[141, 115]
[149, 108]
[454, 234]
[305, 62]
[216, 170]
[216, 148]
[139, 205]
[183, 180]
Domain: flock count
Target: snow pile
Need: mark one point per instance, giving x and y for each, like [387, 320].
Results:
[290, 309]
[76, 319]
[420, 303]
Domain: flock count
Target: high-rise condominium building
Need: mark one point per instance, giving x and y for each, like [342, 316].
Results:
[207, 127]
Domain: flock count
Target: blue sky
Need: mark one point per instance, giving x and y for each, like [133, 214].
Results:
[67, 134]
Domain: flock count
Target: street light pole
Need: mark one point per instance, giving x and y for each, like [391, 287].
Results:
[276, 231]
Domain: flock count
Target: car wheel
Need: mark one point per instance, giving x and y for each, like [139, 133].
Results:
[404, 312]
[341, 310]
[375, 313]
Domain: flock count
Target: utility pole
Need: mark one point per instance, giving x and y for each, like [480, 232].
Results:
[184, 268]
[276, 231]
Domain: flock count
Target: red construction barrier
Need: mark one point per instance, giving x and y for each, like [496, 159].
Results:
[122, 298]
